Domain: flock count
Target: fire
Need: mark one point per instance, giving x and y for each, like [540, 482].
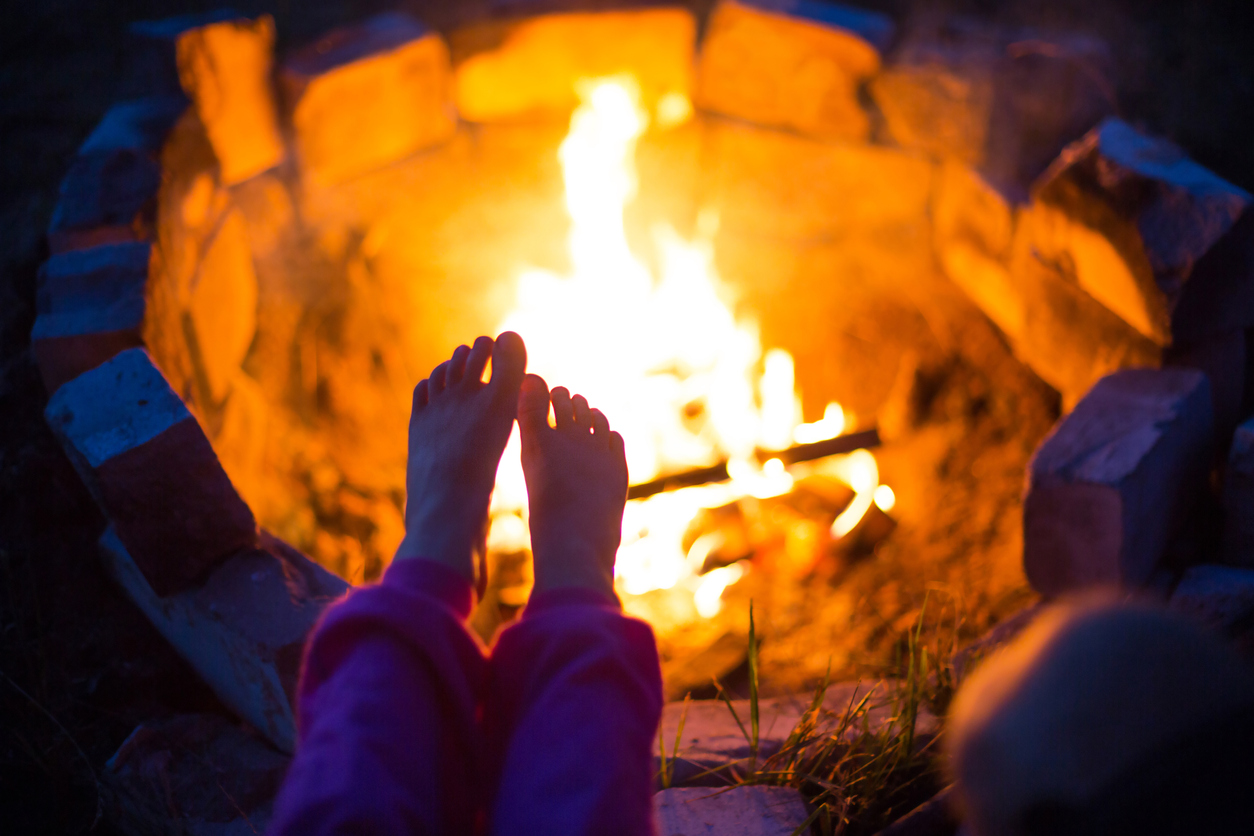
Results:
[664, 357]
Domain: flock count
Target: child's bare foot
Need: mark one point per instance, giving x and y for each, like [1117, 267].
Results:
[457, 432]
[576, 488]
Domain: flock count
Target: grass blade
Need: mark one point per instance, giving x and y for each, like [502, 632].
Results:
[753, 686]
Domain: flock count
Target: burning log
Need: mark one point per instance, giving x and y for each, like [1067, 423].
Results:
[792, 455]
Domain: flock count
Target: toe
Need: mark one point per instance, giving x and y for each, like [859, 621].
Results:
[437, 380]
[478, 359]
[533, 405]
[563, 410]
[457, 365]
[420, 395]
[583, 414]
[600, 424]
[509, 364]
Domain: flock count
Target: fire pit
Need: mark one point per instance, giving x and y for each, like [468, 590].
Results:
[763, 253]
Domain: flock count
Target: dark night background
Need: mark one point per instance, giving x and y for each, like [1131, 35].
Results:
[79, 668]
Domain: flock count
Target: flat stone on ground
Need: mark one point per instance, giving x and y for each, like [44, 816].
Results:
[151, 469]
[712, 739]
[1116, 479]
[742, 811]
[367, 95]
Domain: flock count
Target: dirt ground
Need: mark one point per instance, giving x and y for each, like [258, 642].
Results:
[79, 667]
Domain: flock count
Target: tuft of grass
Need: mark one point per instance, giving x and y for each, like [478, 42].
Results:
[667, 772]
[858, 776]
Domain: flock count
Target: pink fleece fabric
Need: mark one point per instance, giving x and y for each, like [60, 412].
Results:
[407, 726]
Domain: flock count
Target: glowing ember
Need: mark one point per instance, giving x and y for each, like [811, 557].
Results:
[666, 360]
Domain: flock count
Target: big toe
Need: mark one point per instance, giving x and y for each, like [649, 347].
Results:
[533, 405]
[509, 364]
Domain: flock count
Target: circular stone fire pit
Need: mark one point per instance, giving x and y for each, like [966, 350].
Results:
[945, 228]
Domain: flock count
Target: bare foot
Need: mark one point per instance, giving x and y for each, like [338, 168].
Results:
[457, 432]
[576, 487]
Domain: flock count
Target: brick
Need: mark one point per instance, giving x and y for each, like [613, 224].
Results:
[973, 228]
[152, 47]
[225, 68]
[1003, 101]
[1238, 498]
[151, 469]
[536, 64]
[223, 306]
[1221, 597]
[745, 811]
[90, 305]
[108, 194]
[797, 65]
[243, 629]
[1116, 479]
[368, 95]
[1069, 338]
[1152, 235]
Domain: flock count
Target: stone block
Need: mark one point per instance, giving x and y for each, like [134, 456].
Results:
[223, 306]
[1116, 479]
[792, 64]
[1221, 597]
[225, 68]
[1224, 359]
[743, 811]
[1238, 498]
[774, 185]
[243, 629]
[152, 47]
[108, 194]
[973, 227]
[150, 467]
[90, 305]
[206, 772]
[536, 64]
[711, 738]
[1069, 338]
[1153, 236]
[1003, 101]
[368, 95]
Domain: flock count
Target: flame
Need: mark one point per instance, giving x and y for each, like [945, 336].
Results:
[663, 356]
